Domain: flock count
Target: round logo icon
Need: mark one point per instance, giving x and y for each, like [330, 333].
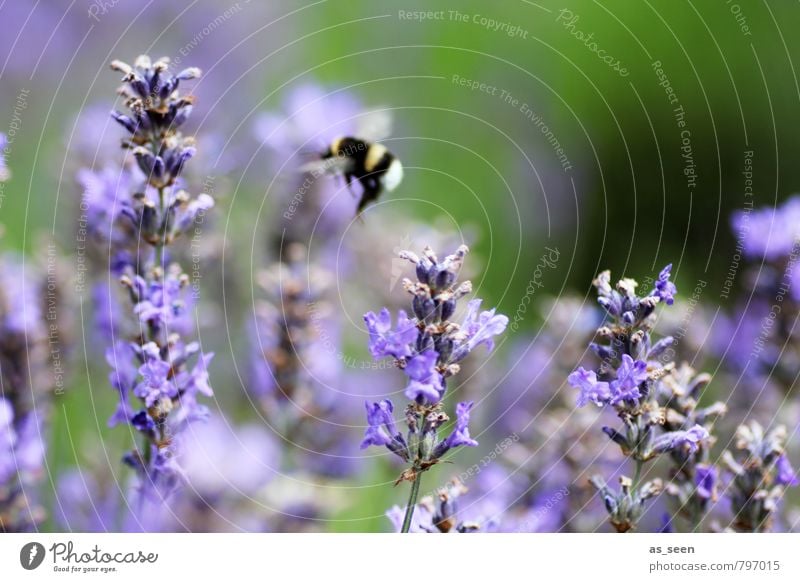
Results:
[31, 555]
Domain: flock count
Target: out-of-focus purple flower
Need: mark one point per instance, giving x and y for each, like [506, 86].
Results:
[706, 480]
[106, 198]
[310, 114]
[26, 382]
[785, 475]
[768, 233]
[84, 505]
[758, 476]
[21, 447]
[122, 378]
[222, 459]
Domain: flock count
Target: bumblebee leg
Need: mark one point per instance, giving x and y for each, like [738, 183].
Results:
[349, 178]
[370, 194]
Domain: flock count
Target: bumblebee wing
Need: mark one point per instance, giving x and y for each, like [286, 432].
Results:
[375, 125]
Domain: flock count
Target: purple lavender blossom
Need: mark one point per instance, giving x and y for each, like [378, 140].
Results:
[157, 366]
[430, 346]
[785, 475]
[759, 473]
[637, 380]
[769, 233]
[427, 349]
[631, 374]
[386, 342]
[592, 390]
[683, 439]
[706, 480]
[460, 435]
[425, 382]
[664, 288]
[479, 329]
[21, 448]
[25, 393]
[382, 430]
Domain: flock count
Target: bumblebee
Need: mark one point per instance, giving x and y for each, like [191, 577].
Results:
[362, 160]
[371, 164]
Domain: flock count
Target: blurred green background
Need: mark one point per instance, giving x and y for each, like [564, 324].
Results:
[624, 202]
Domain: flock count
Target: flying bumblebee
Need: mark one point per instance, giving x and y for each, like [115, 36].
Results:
[363, 160]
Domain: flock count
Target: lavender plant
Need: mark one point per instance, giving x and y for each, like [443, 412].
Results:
[693, 477]
[157, 371]
[759, 474]
[26, 386]
[762, 333]
[428, 348]
[626, 381]
[438, 513]
[25, 392]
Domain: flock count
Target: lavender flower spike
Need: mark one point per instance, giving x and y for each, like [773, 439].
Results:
[157, 372]
[427, 348]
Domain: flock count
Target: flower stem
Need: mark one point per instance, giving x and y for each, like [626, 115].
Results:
[412, 502]
[161, 235]
[636, 476]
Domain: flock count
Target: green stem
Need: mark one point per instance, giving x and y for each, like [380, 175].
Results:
[412, 502]
[160, 244]
[636, 476]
